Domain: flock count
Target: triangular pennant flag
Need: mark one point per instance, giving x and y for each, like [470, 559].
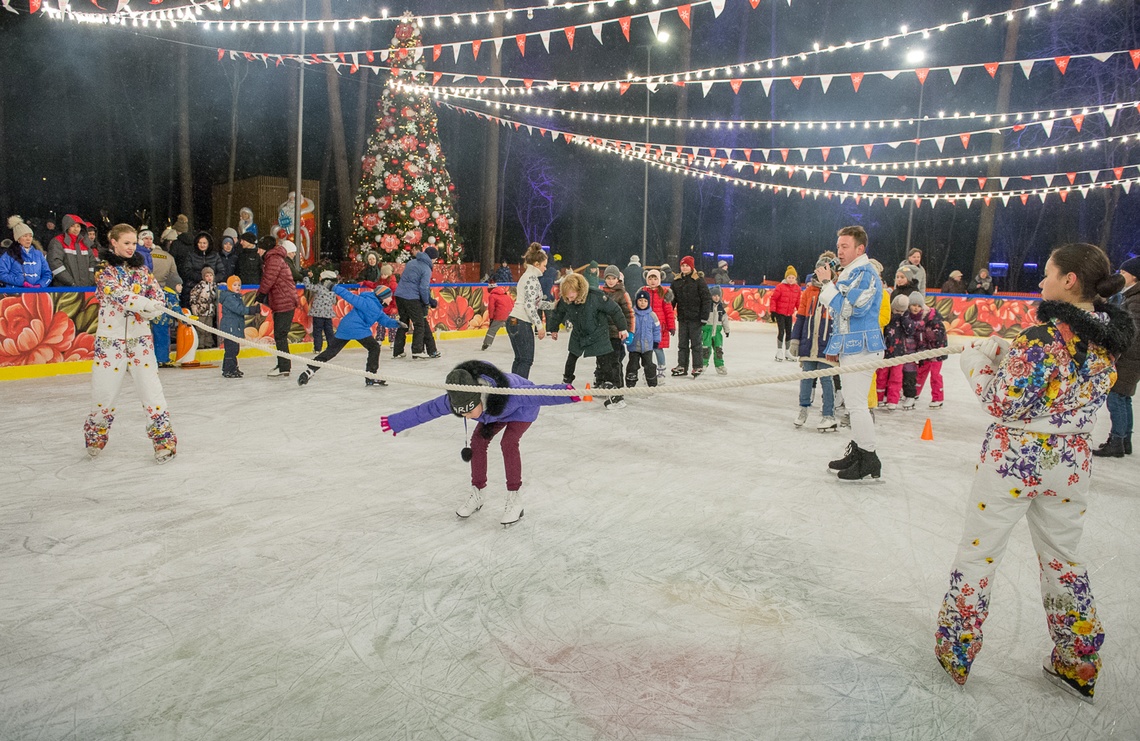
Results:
[624, 23]
[370, 56]
[941, 181]
[955, 73]
[863, 179]
[797, 81]
[784, 154]
[1072, 176]
[435, 77]
[685, 11]
[747, 154]
[922, 73]
[481, 78]
[520, 40]
[623, 86]
[221, 53]
[766, 83]
[858, 197]
[917, 202]
[652, 86]
[735, 84]
[1062, 63]
[498, 46]
[545, 36]
[890, 74]
[1053, 178]
[939, 141]
[1026, 67]
[569, 31]
[1024, 199]
[1135, 54]
[383, 55]
[986, 199]
[961, 182]
[597, 29]
[1064, 195]
[846, 152]
[918, 180]
[825, 151]
[965, 140]
[754, 3]
[575, 85]
[1048, 126]
[654, 20]
[825, 80]
[1084, 189]
[717, 7]
[566, 136]
[868, 148]
[856, 80]
[968, 199]
[843, 177]
[436, 51]
[1003, 180]
[706, 85]
[826, 175]
[1102, 57]
[1005, 200]
[992, 68]
[1109, 115]
[1078, 120]
[1118, 172]
[882, 180]
[476, 45]
[982, 183]
[419, 53]
[528, 82]
[1127, 185]
[803, 153]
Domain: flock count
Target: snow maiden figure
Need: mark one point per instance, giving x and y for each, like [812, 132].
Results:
[129, 298]
[1044, 392]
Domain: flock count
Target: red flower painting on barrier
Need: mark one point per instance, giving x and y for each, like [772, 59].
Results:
[32, 332]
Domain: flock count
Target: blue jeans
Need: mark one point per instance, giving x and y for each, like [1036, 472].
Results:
[161, 334]
[806, 385]
[1120, 410]
[521, 335]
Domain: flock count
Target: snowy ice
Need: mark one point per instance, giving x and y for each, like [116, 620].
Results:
[686, 568]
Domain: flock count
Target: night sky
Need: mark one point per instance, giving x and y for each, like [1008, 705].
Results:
[90, 122]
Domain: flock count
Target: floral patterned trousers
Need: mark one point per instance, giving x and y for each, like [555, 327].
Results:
[114, 359]
[1044, 478]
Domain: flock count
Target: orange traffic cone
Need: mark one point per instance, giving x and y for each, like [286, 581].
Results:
[587, 397]
[928, 431]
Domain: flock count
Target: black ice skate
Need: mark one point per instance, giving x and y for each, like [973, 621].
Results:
[866, 464]
[680, 370]
[848, 458]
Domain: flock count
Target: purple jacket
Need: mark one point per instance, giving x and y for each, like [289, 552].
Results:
[496, 407]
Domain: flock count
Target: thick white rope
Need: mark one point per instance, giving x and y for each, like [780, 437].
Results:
[719, 385]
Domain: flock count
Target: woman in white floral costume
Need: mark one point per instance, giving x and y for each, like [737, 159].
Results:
[1044, 391]
[129, 297]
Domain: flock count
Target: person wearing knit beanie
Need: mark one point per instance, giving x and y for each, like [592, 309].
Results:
[21, 264]
[791, 273]
[693, 304]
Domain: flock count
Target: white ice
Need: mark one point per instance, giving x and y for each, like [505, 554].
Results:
[686, 569]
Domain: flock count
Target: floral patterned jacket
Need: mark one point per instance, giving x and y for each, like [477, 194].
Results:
[1055, 375]
[128, 299]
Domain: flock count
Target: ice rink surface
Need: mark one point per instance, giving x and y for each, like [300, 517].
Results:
[686, 569]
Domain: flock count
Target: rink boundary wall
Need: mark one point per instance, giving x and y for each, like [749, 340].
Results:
[48, 332]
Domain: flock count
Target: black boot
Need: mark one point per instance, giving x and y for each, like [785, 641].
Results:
[1104, 445]
[848, 458]
[1114, 448]
[867, 464]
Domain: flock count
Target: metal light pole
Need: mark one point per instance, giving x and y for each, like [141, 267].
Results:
[300, 137]
[645, 197]
[914, 57]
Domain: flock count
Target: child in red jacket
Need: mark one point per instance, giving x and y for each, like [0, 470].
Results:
[782, 303]
[499, 306]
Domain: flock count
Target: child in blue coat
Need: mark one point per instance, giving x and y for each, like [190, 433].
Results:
[234, 311]
[646, 338]
[511, 415]
[367, 310]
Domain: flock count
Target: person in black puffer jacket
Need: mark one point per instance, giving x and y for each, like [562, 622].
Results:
[203, 255]
[692, 303]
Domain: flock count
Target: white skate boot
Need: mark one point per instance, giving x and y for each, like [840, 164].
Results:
[473, 504]
[907, 404]
[801, 418]
[513, 509]
[827, 424]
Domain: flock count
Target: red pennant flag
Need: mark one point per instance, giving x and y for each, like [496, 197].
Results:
[982, 183]
[566, 136]
[221, 53]
[1027, 177]
[868, 148]
[1078, 120]
[1024, 198]
[965, 140]
[803, 193]
[826, 175]
[858, 198]
[435, 77]
[826, 151]
[735, 84]
[1062, 63]
[517, 125]
[1064, 195]
[863, 179]
[575, 85]
[370, 56]
[436, 51]
[481, 79]
[747, 154]
[685, 11]
[542, 132]
[681, 83]
[1018, 127]
[941, 181]
[354, 68]
[722, 161]
[987, 199]
[1135, 54]
[528, 82]
[922, 72]
[1072, 176]
[622, 87]
[520, 39]
[992, 68]
[340, 55]
[1118, 172]
[784, 154]
[917, 202]
[797, 81]
[755, 167]
[278, 64]
[856, 80]
[476, 45]
[754, 3]
[569, 30]
[901, 178]
[792, 171]
[624, 23]
[34, 6]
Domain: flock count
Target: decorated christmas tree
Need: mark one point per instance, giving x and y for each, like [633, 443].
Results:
[405, 194]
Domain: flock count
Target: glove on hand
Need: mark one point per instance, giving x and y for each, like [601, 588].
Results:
[385, 426]
[433, 303]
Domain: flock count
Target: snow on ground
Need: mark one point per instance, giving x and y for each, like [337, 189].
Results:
[686, 569]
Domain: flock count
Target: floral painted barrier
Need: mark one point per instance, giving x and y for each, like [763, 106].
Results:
[54, 326]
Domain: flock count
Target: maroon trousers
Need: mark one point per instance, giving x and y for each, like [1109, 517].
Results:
[512, 459]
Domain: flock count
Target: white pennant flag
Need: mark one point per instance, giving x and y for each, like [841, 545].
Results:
[1109, 115]
[1026, 67]
[654, 20]
[498, 46]
[961, 182]
[1048, 126]
[419, 53]
[717, 6]
[846, 152]
[384, 55]
[1103, 57]
[920, 181]
[969, 200]
[1084, 189]
[939, 141]
[505, 81]
[545, 36]
[825, 80]
[1053, 177]
[652, 86]
[955, 73]
[1094, 174]
[766, 83]
[1003, 181]
[1127, 186]
[890, 74]
[803, 153]
[457, 78]
[1041, 196]
[455, 52]
[882, 180]
[843, 177]
[529, 130]
[597, 29]
[895, 145]
[1005, 200]
[706, 85]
